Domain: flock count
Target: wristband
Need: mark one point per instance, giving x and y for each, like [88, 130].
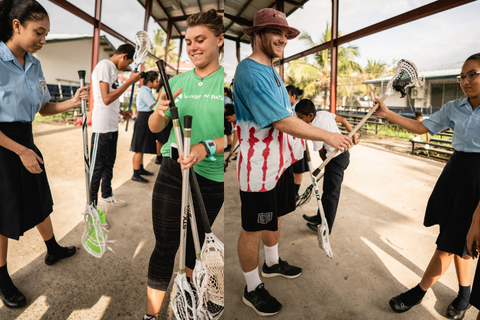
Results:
[210, 147]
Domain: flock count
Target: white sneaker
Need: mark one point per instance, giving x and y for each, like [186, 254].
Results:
[112, 200]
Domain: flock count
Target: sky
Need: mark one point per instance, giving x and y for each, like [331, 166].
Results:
[442, 39]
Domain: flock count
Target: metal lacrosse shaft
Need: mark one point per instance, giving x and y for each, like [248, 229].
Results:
[81, 75]
[185, 194]
[193, 177]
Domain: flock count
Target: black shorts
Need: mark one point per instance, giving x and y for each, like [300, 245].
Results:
[260, 210]
[301, 166]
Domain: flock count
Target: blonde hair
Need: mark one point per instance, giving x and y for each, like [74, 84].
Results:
[212, 20]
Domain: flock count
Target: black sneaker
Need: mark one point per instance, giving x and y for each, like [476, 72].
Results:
[261, 301]
[228, 148]
[139, 179]
[282, 268]
[146, 173]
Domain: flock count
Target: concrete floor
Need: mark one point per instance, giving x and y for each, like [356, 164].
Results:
[379, 243]
[84, 287]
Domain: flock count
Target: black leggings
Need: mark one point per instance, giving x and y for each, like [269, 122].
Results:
[166, 209]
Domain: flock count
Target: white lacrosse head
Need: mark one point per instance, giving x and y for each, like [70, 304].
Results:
[323, 238]
[183, 299]
[405, 76]
[142, 46]
[213, 258]
[94, 239]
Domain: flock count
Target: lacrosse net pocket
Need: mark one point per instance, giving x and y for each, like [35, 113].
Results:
[94, 238]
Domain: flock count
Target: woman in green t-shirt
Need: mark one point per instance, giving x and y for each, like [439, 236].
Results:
[198, 93]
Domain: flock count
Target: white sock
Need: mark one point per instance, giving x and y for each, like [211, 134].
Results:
[271, 255]
[253, 279]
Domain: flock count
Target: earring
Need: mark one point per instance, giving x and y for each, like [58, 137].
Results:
[18, 31]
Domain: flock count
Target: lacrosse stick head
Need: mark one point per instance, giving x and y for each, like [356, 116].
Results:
[213, 258]
[142, 46]
[405, 76]
[323, 238]
[305, 197]
[183, 299]
[94, 239]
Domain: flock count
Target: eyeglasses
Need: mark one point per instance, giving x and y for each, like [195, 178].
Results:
[470, 76]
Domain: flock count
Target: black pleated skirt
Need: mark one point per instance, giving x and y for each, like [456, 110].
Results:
[454, 200]
[25, 198]
[143, 140]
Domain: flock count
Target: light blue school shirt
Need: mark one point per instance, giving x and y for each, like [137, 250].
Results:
[259, 99]
[22, 91]
[462, 119]
[145, 99]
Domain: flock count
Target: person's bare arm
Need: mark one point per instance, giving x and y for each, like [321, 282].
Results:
[109, 97]
[297, 128]
[473, 236]
[411, 125]
[347, 126]
[158, 120]
[52, 108]
[198, 153]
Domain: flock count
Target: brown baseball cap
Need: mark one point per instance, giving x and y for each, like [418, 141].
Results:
[271, 18]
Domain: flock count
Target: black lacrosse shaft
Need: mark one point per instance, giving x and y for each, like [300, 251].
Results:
[193, 177]
[81, 75]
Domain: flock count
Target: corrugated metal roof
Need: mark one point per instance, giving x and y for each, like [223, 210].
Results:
[240, 13]
[177, 11]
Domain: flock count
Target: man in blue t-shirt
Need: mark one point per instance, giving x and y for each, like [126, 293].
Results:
[270, 140]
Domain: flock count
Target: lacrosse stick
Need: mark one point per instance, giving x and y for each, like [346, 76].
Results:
[405, 76]
[142, 46]
[212, 251]
[94, 239]
[199, 270]
[323, 231]
[184, 301]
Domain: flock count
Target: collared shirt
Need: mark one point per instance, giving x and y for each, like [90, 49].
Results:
[326, 121]
[22, 91]
[265, 152]
[462, 119]
[145, 99]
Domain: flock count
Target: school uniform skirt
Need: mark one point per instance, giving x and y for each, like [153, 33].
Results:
[25, 198]
[454, 200]
[143, 140]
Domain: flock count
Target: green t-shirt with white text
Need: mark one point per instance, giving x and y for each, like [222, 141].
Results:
[205, 105]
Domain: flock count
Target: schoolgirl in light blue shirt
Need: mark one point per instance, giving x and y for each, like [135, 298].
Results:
[456, 193]
[144, 140]
[23, 91]
[25, 194]
[145, 99]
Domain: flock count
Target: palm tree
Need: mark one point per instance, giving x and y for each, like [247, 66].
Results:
[375, 69]
[345, 64]
[158, 49]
